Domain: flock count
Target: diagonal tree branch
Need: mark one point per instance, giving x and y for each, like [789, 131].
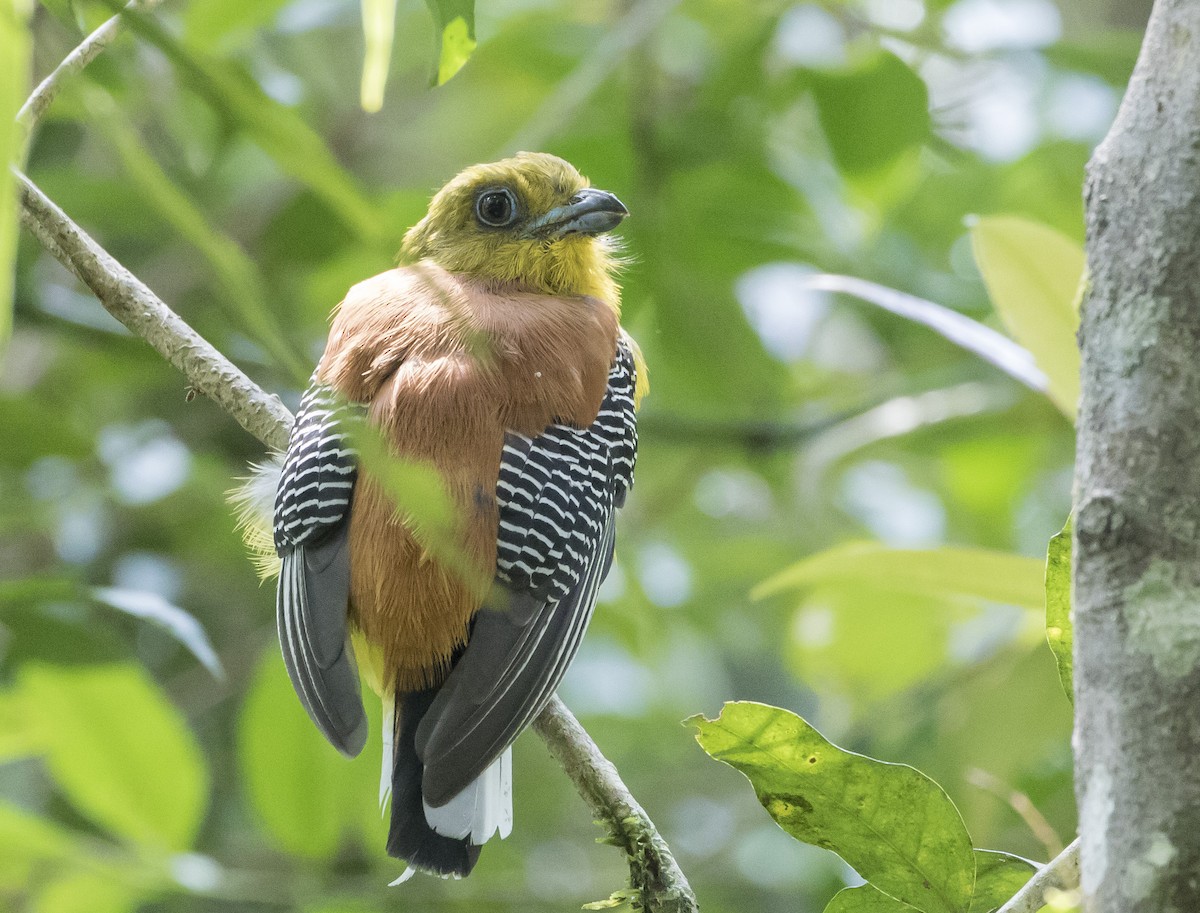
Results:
[87, 51]
[654, 874]
[144, 313]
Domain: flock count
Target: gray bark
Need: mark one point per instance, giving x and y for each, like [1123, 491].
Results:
[1137, 537]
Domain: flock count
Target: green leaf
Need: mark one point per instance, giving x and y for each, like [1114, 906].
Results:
[829, 648]
[998, 876]
[893, 824]
[873, 112]
[120, 752]
[171, 618]
[865, 899]
[423, 502]
[227, 23]
[1033, 276]
[27, 843]
[279, 130]
[20, 734]
[14, 85]
[379, 29]
[454, 37]
[242, 294]
[306, 794]
[1059, 631]
[949, 571]
[88, 892]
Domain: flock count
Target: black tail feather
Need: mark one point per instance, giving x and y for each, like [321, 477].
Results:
[409, 835]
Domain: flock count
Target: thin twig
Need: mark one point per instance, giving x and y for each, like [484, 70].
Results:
[1060, 873]
[653, 870]
[1020, 803]
[91, 48]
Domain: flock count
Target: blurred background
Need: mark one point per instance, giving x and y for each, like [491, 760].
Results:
[221, 153]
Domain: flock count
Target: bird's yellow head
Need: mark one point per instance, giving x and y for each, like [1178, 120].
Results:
[531, 221]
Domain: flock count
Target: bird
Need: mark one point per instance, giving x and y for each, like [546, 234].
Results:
[492, 360]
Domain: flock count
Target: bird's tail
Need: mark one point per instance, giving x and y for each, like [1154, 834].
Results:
[446, 840]
[253, 502]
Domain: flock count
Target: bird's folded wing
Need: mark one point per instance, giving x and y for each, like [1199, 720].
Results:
[312, 538]
[557, 494]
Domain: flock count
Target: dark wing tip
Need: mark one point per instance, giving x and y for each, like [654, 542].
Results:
[409, 835]
[327, 685]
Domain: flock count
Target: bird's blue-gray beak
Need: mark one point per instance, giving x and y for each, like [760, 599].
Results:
[590, 212]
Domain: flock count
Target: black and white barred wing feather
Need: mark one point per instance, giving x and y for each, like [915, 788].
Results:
[558, 494]
[312, 538]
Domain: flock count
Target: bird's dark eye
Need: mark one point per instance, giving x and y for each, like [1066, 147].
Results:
[496, 208]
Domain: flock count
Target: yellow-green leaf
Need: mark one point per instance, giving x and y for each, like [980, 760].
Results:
[120, 752]
[20, 734]
[88, 892]
[894, 825]
[1059, 631]
[454, 37]
[306, 794]
[379, 30]
[1033, 276]
[949, 571]
[28, 842]
[865, 898]
[998, 876]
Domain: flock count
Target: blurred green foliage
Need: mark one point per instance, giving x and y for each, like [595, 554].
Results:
[220, 151]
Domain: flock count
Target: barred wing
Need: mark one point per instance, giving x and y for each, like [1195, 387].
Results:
[312, 538]
[558, 494]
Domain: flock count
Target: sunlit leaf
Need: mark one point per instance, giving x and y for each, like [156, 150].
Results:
[14, 85]
[959, 329]
[454, 36]
[87, 891]
[1033, 275]
[871, 112]
[423, 502]
[20, 733]
[998, 876]
[1059, 630]
[895, 826]
[27, 842]
[222, 23]
[948, 571]
[120, 752]
[379, 29]
[171, 618]
[307, 796]
[865, 899]
[866, 643]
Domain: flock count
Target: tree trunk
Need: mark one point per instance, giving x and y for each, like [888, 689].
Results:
[1137, 534]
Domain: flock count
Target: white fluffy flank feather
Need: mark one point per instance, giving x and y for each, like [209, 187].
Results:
[253, 502]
